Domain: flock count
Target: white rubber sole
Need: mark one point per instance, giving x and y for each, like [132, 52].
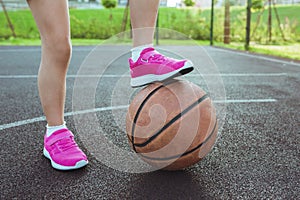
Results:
[150, 78]
[78, 165]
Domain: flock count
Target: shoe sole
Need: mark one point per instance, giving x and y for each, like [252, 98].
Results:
[78, 165]
[150, 78]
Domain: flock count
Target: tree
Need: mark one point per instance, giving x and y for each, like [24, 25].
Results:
[189, 3]
[109, 4]
[257, 4]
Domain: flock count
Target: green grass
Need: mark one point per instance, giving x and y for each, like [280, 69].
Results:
[194, 23]
[84, 24]
[20, 42]
[290, 51]
[284, 51]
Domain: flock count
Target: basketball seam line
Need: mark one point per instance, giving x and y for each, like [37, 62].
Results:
[141, 107]
[172, 121]
[185, 153]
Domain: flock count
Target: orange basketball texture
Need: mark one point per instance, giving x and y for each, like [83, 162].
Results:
[173, 125]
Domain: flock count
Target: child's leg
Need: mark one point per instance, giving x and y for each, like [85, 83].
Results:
[143, 15]
[52, 19]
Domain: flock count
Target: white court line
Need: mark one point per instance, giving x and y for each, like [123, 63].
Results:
[242, 74]
[43, 118]
[38, 119]
[246, 101]
[259, 57]
[127, 75]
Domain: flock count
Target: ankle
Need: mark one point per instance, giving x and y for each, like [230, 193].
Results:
[136, 51]
[52, 129]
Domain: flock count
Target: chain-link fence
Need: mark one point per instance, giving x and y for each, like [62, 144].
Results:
[271, 22]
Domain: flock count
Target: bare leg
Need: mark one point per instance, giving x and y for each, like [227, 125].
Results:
[52, 19]
[143, 19]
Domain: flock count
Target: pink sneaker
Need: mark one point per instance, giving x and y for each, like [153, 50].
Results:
[151, 66]
[63, 151]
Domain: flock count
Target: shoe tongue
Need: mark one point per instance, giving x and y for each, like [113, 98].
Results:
[148, 49]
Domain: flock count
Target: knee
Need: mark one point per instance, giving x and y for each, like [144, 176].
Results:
[58, 46]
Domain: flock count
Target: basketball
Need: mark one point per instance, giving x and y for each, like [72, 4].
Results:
[171, 125]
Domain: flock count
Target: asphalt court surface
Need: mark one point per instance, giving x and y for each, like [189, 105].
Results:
[256, 155]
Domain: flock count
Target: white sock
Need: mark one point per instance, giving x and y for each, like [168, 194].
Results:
[136, 51]
[52, 129]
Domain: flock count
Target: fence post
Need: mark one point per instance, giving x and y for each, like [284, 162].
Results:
[212, 23]
[248, 24]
